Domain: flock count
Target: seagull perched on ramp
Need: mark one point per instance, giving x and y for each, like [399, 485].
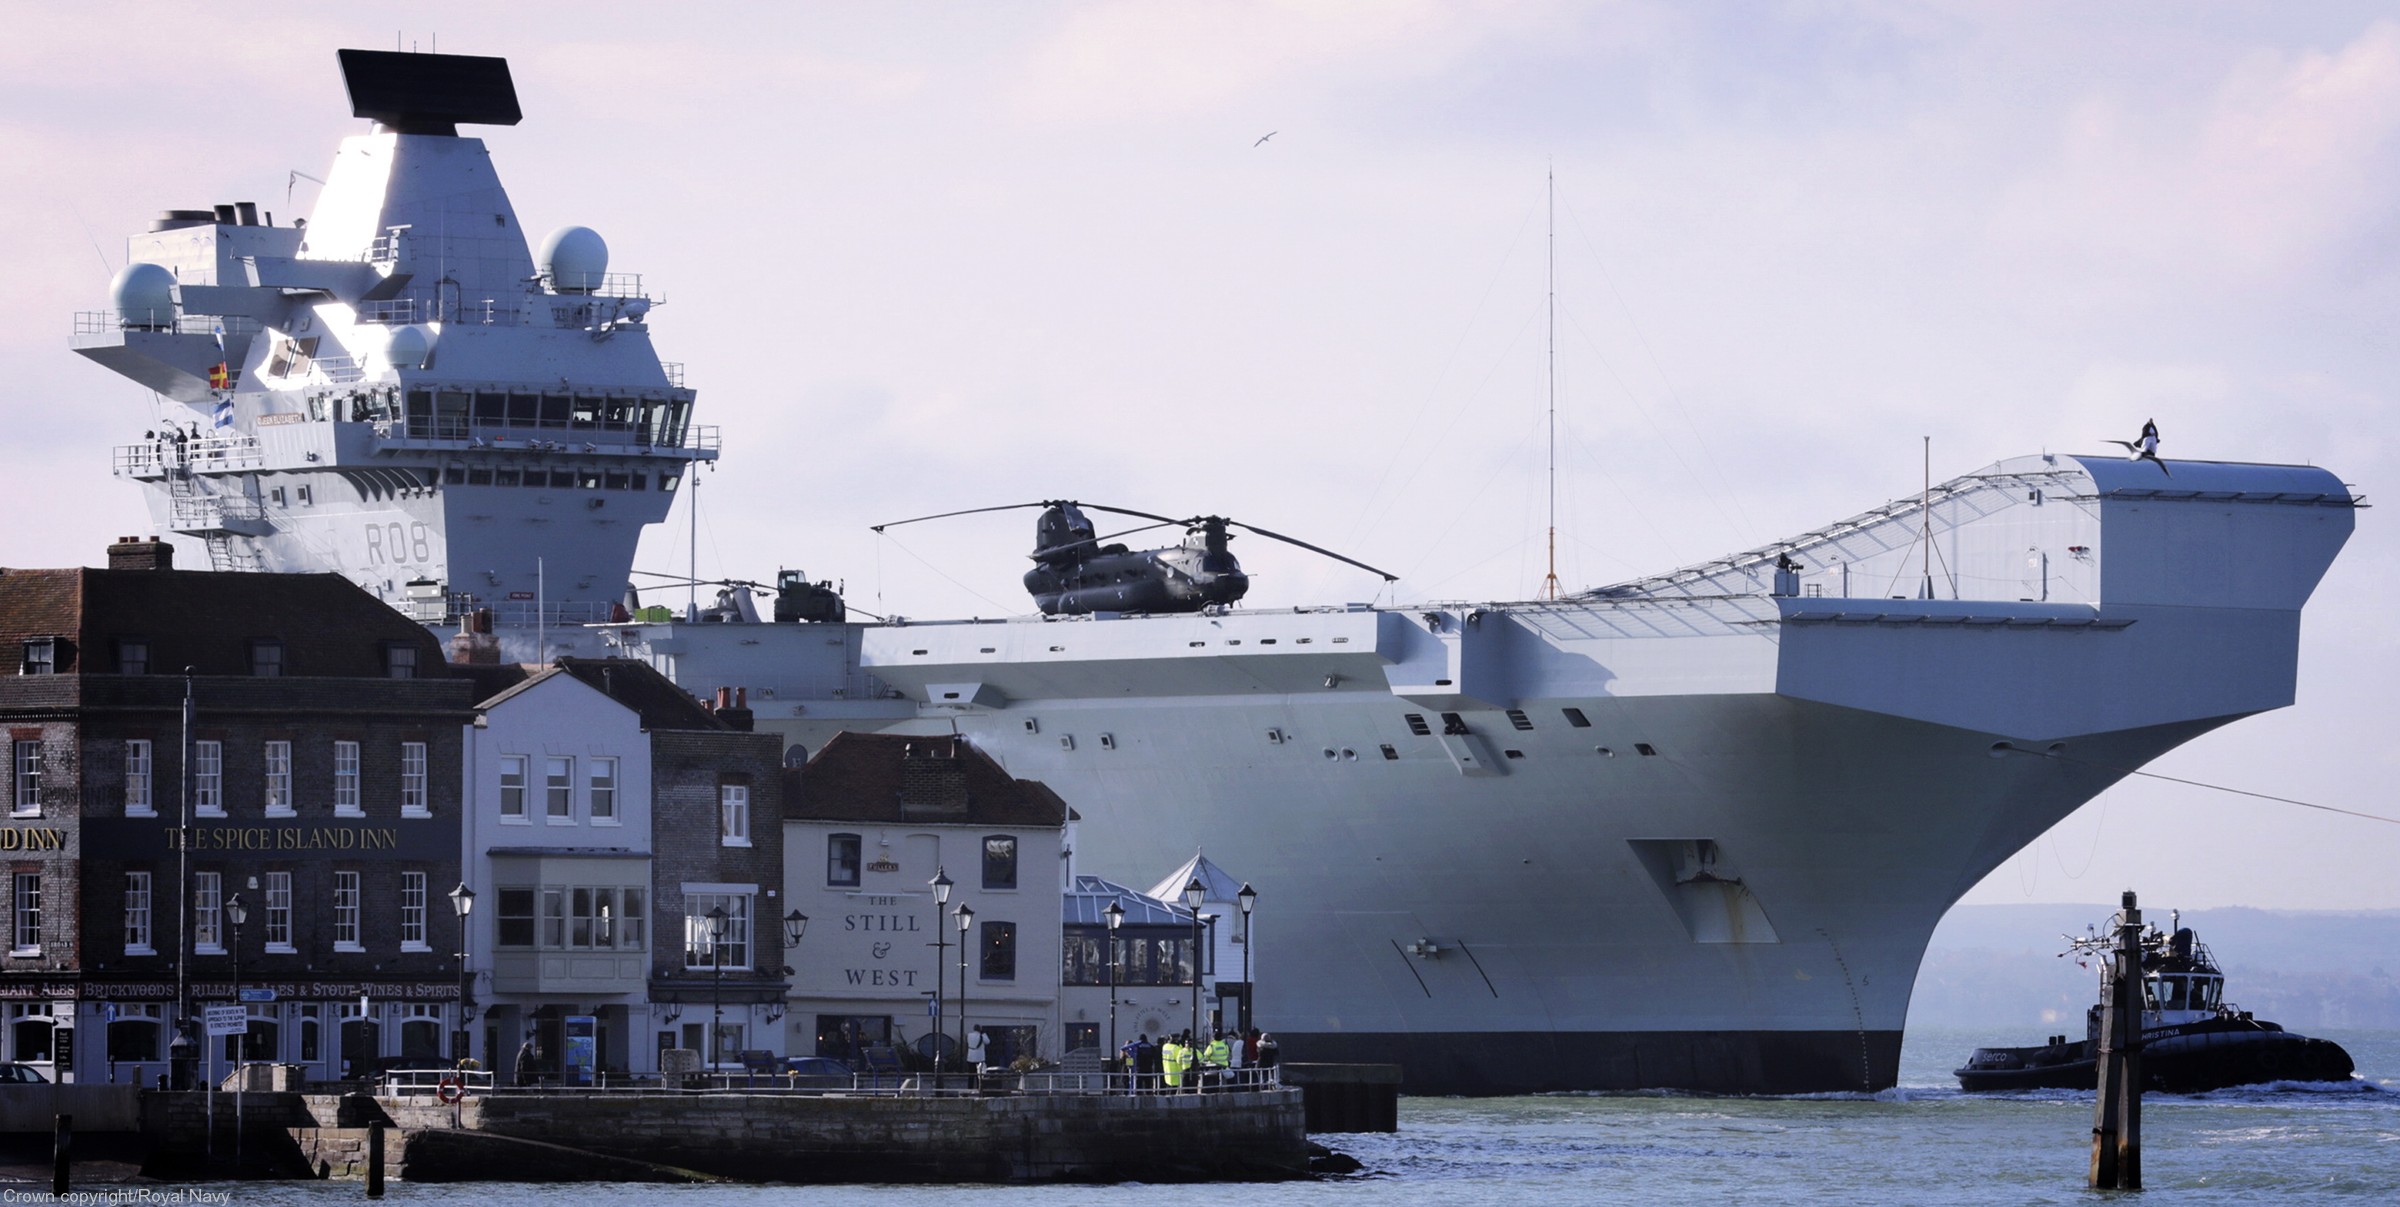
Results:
[2146, 448]
[1262, 139]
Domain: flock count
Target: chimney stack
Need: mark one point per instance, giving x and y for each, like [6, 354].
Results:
[135, 553]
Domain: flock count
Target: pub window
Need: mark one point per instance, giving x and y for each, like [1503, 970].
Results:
[345, 781]
[841, 860]
[266, 658]
[999, 951]
[208, 778]
[279, 912]
[133, 656]
[516, 917]
[208, 915]
[412, 912]
[279, 779]
[413, 799]
[137, 914]
[28, 911]
[41, 656]
[138, 801]
[28, 799]
[345, 912]
[999, 861]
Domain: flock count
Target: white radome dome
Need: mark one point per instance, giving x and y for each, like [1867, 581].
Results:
[143, 295]
[410, 348]
[575, 258]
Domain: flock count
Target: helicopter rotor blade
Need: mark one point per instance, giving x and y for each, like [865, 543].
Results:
[1348, 561]
[947, 514]
[1039, 554]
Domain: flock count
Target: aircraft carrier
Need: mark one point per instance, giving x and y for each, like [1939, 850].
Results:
[1689, 831]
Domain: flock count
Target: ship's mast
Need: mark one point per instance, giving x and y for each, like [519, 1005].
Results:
[1550, 356]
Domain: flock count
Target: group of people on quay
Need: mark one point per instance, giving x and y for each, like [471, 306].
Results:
[1179, 1063]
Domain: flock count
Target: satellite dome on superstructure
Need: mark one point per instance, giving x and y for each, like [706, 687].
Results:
[143, 295]
[574, 258]
[410, 348]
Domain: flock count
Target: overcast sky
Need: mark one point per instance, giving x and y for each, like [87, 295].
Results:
[925, 257]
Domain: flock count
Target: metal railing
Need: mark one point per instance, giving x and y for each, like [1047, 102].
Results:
[109, 322]
[208, 454]
[411, 1083]
[208, 513]
[1047, 1082]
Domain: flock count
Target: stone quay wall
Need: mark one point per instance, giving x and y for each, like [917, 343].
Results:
[753, 1137]
[1247, 1136]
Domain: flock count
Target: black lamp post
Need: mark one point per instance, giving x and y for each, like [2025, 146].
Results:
[795, 924]
[235, 914]
[716, 985]
[462, 903]
[941, 955]
[1115, 913]
[966, 919]
[1248, 900]
[1193, 894]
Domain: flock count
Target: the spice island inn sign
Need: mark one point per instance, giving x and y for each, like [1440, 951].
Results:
[137, 837]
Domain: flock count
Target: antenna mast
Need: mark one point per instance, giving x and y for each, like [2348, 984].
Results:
[1550, 355]
[1925, 522]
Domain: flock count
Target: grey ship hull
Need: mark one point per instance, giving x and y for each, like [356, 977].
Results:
[1721, 879]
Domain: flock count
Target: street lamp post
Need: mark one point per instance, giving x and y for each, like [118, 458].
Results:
[1115, 913]
[716, 985]
[183, 1051]
[1193, 894]
[235, 912]
[966, 918]
[941, 957]
[1248, 900]
[795, 924]
[462, 903]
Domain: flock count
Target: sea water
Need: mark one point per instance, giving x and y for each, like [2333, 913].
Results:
[1924, 1142]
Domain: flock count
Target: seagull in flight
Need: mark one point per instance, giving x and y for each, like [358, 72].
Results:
[1262, 139]
[2146, 448]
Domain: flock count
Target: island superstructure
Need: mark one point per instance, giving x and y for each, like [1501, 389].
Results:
[397, 388]
[1687, 831]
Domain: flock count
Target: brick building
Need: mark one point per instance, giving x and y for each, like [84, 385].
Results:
[323, 786]
[717, 800]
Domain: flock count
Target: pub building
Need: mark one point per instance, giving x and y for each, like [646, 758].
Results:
[871, 822]
[313, 734]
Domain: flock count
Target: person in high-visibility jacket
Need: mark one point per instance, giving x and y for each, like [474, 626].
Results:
[1218, 1054]
[1174, 1056]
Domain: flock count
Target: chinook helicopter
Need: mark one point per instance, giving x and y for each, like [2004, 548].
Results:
[1074, 573]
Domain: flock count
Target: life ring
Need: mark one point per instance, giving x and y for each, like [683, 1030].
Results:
[450, 1090]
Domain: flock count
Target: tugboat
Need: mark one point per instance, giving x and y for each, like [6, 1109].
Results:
[2192, 1039]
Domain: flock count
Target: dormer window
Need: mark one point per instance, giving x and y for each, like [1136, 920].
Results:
[399, 661]
[41, 656]
[133, 656]
[266, 658]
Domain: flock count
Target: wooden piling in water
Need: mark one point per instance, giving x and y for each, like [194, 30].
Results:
[2117, 1107]
[375, 1159]
[62, 1145]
